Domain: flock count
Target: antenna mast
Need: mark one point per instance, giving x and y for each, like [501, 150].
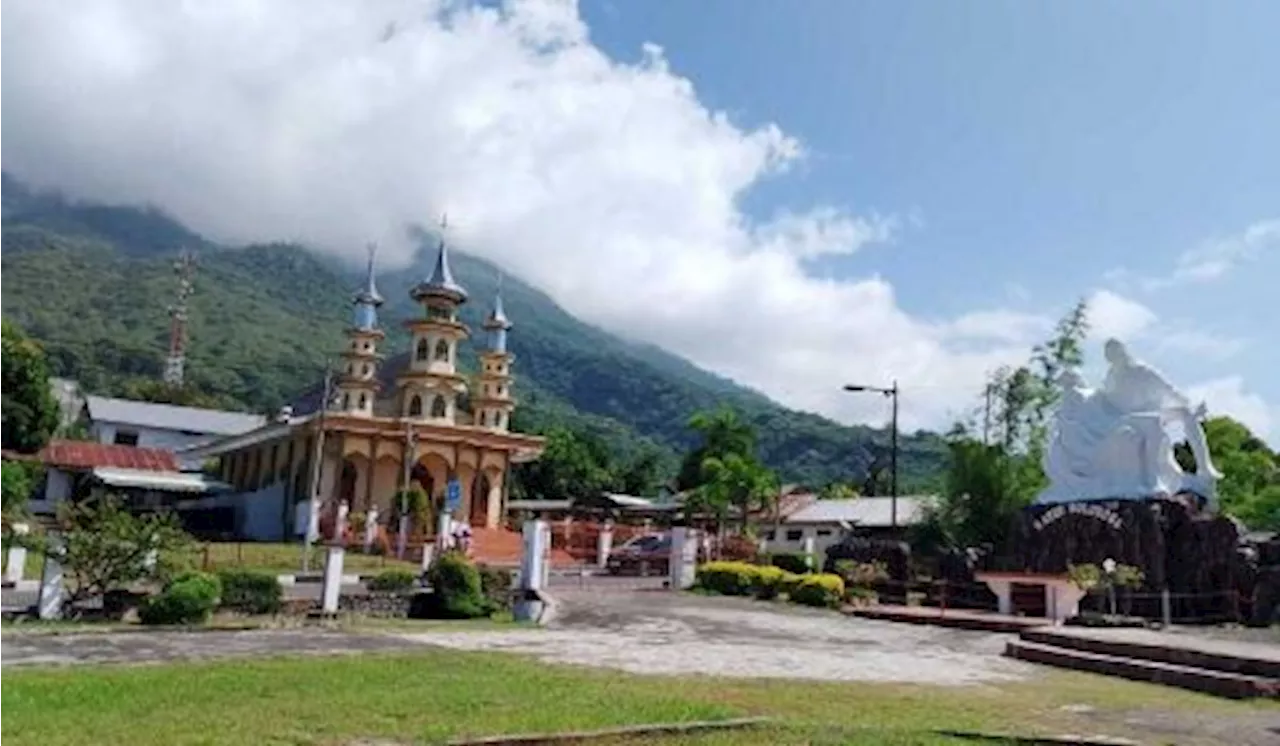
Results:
[185, 267]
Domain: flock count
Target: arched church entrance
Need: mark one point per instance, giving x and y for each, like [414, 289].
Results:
[479, 500]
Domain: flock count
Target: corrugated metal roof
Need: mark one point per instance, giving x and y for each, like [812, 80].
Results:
[77, 454]
[171, 417]
[863, 511]
[161, 481]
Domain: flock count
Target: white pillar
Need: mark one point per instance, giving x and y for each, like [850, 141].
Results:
[604, 545]
[49, 603]
[370, 529]
[428, 554]
[1166, 608]
[807, 549]
[546, 555]
[684, 557]
[533, 558]
[332, 579]
[17, 555]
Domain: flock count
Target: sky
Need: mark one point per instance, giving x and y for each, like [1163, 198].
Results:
[794, 195]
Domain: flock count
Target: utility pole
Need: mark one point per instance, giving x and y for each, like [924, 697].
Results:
[891, 392]
[317, 457]
[410, 457]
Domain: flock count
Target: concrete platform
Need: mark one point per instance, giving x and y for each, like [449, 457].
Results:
[982, 621]
[1228, 656]
[1224, 668]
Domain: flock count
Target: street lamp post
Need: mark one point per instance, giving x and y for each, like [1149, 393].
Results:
[317, 457]
[892, 393]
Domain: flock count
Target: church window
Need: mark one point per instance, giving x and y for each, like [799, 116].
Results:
[483, 419]
[364, 400]
[415, 406]
[442, 350]
[502, 391]
[364, 370]
[346, 401]
[422, 349]
[438, 407]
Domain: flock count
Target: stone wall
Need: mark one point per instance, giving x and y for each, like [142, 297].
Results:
[1176, 544]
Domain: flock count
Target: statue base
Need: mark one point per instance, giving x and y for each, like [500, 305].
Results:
[1176, 542]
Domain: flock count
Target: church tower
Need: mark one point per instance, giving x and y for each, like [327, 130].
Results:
[357, 385]
[493, 403]
[430, 385]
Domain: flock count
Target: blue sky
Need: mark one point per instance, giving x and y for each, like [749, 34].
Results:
[1041, 145]
[791, 194]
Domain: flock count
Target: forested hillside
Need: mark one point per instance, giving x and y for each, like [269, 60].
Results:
[93, 283]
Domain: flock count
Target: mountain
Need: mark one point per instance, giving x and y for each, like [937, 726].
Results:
[93, 283]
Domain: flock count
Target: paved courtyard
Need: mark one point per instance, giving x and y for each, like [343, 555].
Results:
[656, 632]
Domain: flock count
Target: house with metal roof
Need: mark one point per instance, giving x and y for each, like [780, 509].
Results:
[826, 522]
[149, 478]
[165, 426]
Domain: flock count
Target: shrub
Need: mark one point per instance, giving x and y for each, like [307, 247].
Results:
[393, 581]
[790, 582]
[456, 584]
[495, 584]
[768, 582]
[188, 599]
[791, 562]
[822, 589]
[861, 574]
[728, 578]
[251, 591]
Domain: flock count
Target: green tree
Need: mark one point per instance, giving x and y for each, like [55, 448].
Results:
[641, 475]
[723, 433]
[14, 489]
[1250, 484]
[738, 482]
[570, 467]
[103, 547]
[990, 479]
[838, 491]
[29, 411]
[160, 392]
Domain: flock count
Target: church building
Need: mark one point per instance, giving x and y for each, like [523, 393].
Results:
[416, 418]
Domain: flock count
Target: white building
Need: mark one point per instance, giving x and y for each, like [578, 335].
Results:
[826, 521]
[165, 426]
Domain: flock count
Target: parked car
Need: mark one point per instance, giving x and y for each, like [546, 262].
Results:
[642, 555]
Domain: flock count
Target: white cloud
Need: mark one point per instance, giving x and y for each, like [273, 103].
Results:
[609, 185]
[1113, 315]
[1218, 257]
[1228, 396]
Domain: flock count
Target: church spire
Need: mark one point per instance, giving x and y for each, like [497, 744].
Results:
[496, 323]
[441, 283]
[368, 299]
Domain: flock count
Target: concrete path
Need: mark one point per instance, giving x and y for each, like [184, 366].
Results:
[159, 647]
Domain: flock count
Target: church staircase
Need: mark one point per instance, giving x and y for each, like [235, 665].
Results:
[1237, 670]
[502, 547]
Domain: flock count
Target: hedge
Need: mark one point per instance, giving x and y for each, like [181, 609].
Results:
[251, 591]
[822, 589]
[745, 579]
[187, 599]
[791, 562]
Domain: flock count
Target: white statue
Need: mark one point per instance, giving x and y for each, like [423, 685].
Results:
[1114, 443]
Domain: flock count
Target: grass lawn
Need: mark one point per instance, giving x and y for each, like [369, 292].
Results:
[431, 696]
[282, 558]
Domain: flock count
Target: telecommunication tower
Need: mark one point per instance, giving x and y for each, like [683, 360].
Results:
[185, 267]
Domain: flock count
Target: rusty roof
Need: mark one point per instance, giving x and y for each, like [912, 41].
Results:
[75, 454]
